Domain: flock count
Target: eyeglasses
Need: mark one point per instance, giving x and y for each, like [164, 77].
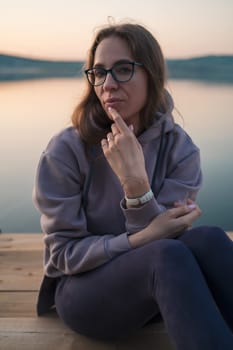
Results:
[121, 73]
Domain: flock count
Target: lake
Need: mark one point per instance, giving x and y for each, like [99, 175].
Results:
[33, 111]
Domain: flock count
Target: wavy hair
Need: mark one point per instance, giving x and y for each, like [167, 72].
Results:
[89, 117]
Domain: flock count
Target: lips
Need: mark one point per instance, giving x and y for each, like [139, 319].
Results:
[112, 102]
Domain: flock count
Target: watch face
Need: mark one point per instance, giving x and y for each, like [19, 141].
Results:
[133, 201]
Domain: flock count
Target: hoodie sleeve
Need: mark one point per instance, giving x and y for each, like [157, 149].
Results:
[70, 248]
[179, 178]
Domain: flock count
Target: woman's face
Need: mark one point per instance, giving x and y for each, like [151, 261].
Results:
[127, 98]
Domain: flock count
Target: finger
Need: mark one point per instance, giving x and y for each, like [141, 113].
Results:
[115, 129]
[104, 144]
[192, 206]
[194, 214]
[131, 127]
[110, 139]
[185, 222]
[122, 126]
[189, 201]
[188, 219]
[179, 204]
[179, 211]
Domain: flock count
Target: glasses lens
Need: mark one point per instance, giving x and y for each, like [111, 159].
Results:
[96, 76]
[123, 71]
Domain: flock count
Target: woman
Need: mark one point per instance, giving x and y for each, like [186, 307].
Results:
[117, 196]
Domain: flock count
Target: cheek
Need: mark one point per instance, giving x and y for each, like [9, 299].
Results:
[144, 97]
[141, 92]
[97, 92]
[144, 91]
[140, 98]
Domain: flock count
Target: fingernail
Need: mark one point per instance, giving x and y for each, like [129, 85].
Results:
[191, 206]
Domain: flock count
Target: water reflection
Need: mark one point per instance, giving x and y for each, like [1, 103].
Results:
[32, 111]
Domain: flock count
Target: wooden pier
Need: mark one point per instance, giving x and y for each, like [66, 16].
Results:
[21, 263]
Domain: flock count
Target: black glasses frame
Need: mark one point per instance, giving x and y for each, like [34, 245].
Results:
[90, 71]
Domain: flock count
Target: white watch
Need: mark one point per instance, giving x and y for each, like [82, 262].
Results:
[140, 200]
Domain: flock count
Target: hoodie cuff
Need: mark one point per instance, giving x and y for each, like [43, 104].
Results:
[117, 245]
[140, 217]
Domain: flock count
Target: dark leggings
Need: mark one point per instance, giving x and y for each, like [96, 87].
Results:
[188, 280]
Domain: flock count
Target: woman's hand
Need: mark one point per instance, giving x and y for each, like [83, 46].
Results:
[166, 225]
[125, 156]
[183, 202]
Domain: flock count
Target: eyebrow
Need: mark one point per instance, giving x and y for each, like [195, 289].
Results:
[124, 60]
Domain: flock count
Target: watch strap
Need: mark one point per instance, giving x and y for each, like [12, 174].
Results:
[146, 197]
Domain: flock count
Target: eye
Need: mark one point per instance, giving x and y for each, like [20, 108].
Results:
[99, 72]
[123, 69]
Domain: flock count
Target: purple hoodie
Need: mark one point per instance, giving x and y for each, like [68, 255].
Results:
[81, 236]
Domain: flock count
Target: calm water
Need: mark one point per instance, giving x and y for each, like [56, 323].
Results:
[31, 112]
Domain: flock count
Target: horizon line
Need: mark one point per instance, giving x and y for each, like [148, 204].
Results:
[38, 58]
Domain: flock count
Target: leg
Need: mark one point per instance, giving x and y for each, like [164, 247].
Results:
[121, 296]
[190, 314]
[213, 250]
[111, 301]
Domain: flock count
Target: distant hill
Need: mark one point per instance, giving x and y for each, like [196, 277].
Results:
[21, 68]
[206, 68]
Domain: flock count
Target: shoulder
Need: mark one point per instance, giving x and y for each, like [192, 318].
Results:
[182, 137]
[181, 143]
[68, 137]
[65, 144]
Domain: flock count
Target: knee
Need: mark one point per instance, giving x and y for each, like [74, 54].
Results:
[171, 253]
[203, 238]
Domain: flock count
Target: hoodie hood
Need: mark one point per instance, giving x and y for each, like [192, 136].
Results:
[154, 131]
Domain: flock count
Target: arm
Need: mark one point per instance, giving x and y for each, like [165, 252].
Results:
[167, 225]
[70, 248]
[181, 184]
[179, 179]
[183, 177]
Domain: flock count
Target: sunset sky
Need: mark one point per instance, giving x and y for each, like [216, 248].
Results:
[63, 29]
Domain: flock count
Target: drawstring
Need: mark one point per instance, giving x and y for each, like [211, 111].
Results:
[89, 177]
[159, 157]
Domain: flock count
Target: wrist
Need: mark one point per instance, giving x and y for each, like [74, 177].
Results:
[135, 187]
[139, 200]
[140, 238]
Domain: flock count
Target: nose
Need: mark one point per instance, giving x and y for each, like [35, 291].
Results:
[110, 82]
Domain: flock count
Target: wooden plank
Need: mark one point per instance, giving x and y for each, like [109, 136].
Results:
[18, 304]
[48, 334]
[51, 333]
[146, 341]
[32, 341]
[21, 241]
[20, 270]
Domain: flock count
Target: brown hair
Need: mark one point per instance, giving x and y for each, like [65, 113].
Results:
[89, 117]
